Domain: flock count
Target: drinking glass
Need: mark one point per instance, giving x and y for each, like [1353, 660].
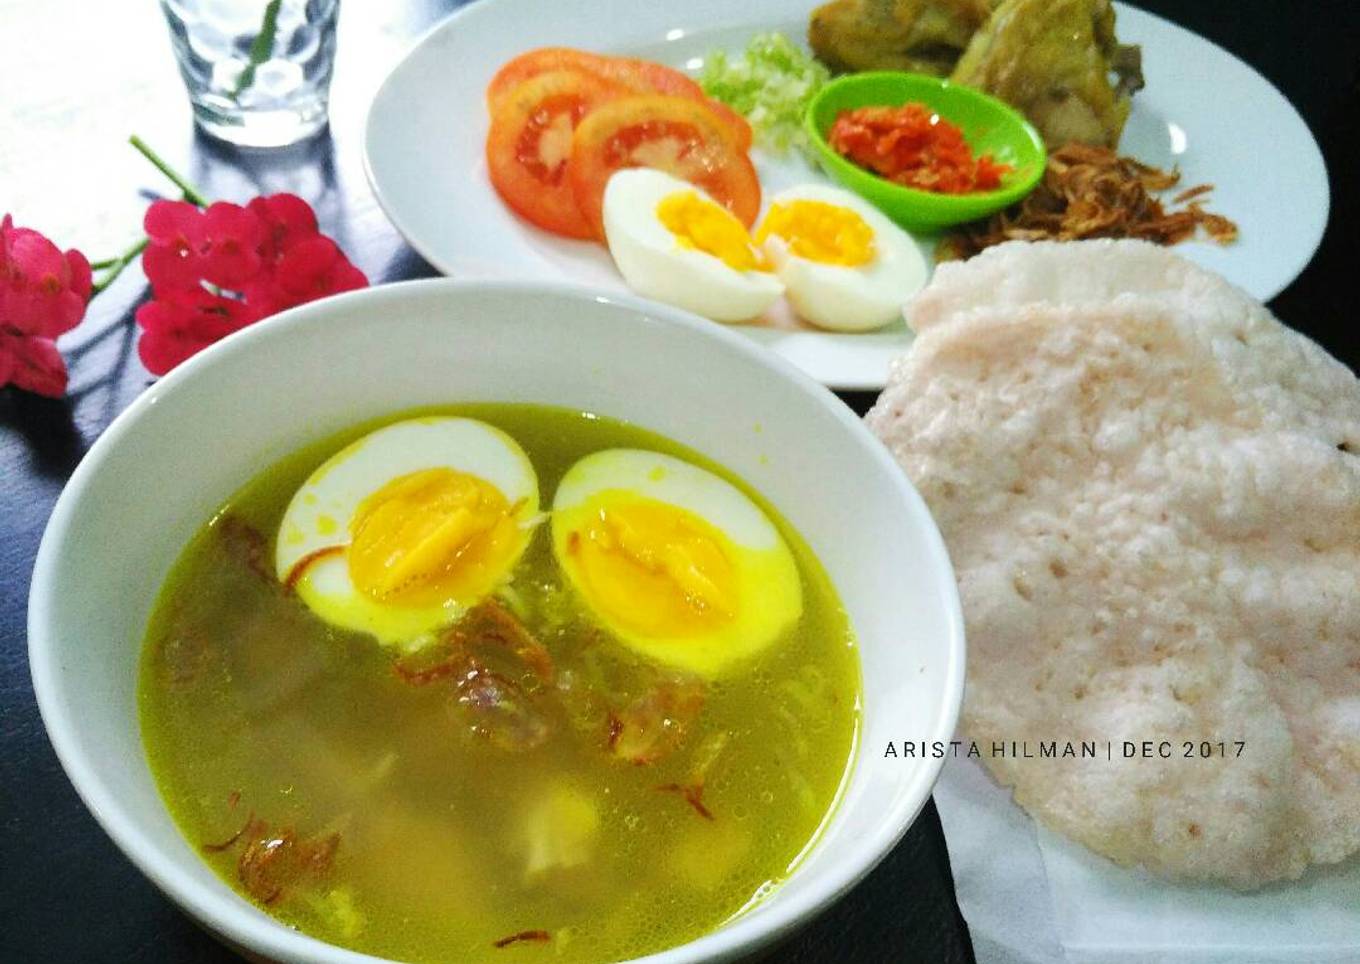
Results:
[258, 72]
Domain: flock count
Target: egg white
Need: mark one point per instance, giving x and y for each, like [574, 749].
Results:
[320, 512]
[843, 297]
[657, 266]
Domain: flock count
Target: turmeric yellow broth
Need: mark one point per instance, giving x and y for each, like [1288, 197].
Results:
[519, 784]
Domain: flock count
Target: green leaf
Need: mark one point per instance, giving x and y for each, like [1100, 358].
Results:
[771, 84]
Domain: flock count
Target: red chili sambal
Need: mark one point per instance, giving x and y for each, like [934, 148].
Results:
[913, 146]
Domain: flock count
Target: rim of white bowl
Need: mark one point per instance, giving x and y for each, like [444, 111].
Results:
[229, 916]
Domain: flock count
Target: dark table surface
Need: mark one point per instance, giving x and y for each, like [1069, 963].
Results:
[79, 78]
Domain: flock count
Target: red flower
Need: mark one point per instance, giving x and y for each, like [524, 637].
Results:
[310, 269]
[43, 294]
[220, 245]
[33, 364]
[269, 251]
[231, 257]
[177, 235]
[42, 291]
[287, 219]
[182, 322]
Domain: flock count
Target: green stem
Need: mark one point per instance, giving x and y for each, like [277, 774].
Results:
[191, 193]
[262, 47]
[116, 266]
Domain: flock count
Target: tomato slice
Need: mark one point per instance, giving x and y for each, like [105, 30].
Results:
[641, 76]
[529, 144]
[733, 120]
[531, 63]
[674, 134]
[646, 76]
[668, 80]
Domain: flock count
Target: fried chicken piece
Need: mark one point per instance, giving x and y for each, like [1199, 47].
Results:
[925, 36]
[1053, 60]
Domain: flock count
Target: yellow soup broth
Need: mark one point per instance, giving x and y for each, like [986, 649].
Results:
[576, 802]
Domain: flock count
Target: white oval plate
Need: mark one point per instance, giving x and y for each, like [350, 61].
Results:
[1202, 110]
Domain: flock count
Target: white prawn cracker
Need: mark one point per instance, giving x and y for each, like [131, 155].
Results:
[1150, 490]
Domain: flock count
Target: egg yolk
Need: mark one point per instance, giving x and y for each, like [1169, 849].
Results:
[701, 225]
[818, 231]
[654, 568]
[430, 537]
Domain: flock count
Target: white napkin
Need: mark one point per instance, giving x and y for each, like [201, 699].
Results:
[1033, 897]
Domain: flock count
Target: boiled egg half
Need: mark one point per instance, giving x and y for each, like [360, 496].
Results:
[403, 531]
[675, 562]
[845, 265]
[672, 242]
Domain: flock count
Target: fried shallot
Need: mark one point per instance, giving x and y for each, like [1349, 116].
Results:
[1092, 192]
